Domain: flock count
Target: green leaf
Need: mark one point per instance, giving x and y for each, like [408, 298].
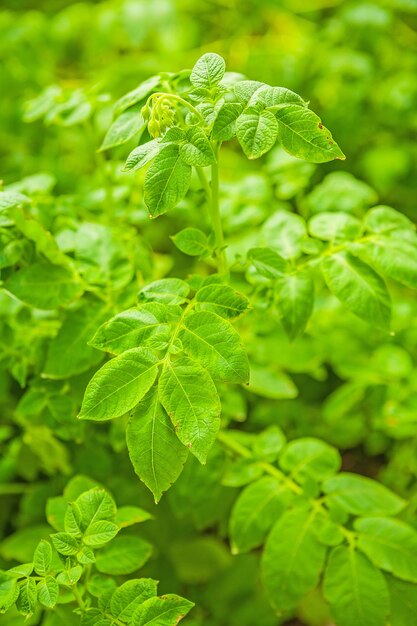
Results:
[358, 287]
[355, 589]
[214, 342]
[167, 290]
[295, 301]
[359, 495]
[42, 558]
[222, 300]
[71, 341]
[403, 601]
[86, 556]
[224, 127]
[99, 533]
[8, 591]
[72, 520]
[268, 262]
[129, 596]
[256, 133]
[165, 610]
[383, 220]
[27, 600]
[254, 513]
[310, 458]
[94, 506]
[197, 148]
[244, 89]
[271, 383]
[142, 155]
[131, 328]
[156, 453]
[166, 181]
[10, 199]
[394, 257]
[137, 95]
[208, 71]
[334, 227]
[302, 134]
[124, 555]
[44, 286]
[192, 241]
[269, 443]
[292, 560]
[21, 571]
[69, 577]
[48, 590]
[390, 544]
[286, 233]
[64, 543]
[119, 385]
[130, 515]
[190, 398]
[268, 96]
[124, 128]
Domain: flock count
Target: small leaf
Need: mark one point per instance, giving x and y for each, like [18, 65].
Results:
[48, 590]
[268, 262]
[292, 560]
[190, 398]
[255, 511]
[208, 71]
[95, 505]
[394, 257]
[358, 287]
[69, 577]
[100, 533]
[390, 544]
[355, 589]
[42, 558]
[166, 181]
[137, 95]
[119, 385]
[302, 134]
[167, 290]
[256, 133]
[224, 127]
[130, 515]
[9, 591]
[64, 543]
[10, 199]
[162, 611]
[286, 233]
[124, 555]
[125, 127]
[309, 457]
[214, 342]
[334, 227]
[295, 301]
[129, 596]
[156, 453]
[383, 220]
[359, 495]
[142, 155]
[28, 595]
[197, 148]
[192, 241]
[222, 300]
[44, 286]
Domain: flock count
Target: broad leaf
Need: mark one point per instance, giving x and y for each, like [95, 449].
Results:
[197, 149]
[359, 495]
[393, 257]
[256, 133]
[42, 558]
[224, 127]
[292, 560]
[208, 71]
[221, 299]
[390, 544]
[124, 555]
[162, 611]
[355, 589]
[268, 262]
[48, 590]
[100, 533]
[302, 134]
[44, 286]
[403, 601]
[267, 96]
[124, 128]
[166, 291]
[190, 398]
[119, 385]
[137, 95]
[154, 449]
[214, 342]
[310, 458]
[140, 156]
[295, 301]
[26, 602]
[94, 506]
[254, 513]
[358, 287]
[192, 241]
[334, 227]
[129, 596]
[166, 181]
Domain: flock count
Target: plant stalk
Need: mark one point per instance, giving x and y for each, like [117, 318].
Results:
[216, 216]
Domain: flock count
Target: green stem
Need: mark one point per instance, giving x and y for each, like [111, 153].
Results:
[79, 599]
[227, 440]
[216, 216]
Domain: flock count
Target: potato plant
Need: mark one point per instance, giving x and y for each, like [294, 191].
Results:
[185, 357]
